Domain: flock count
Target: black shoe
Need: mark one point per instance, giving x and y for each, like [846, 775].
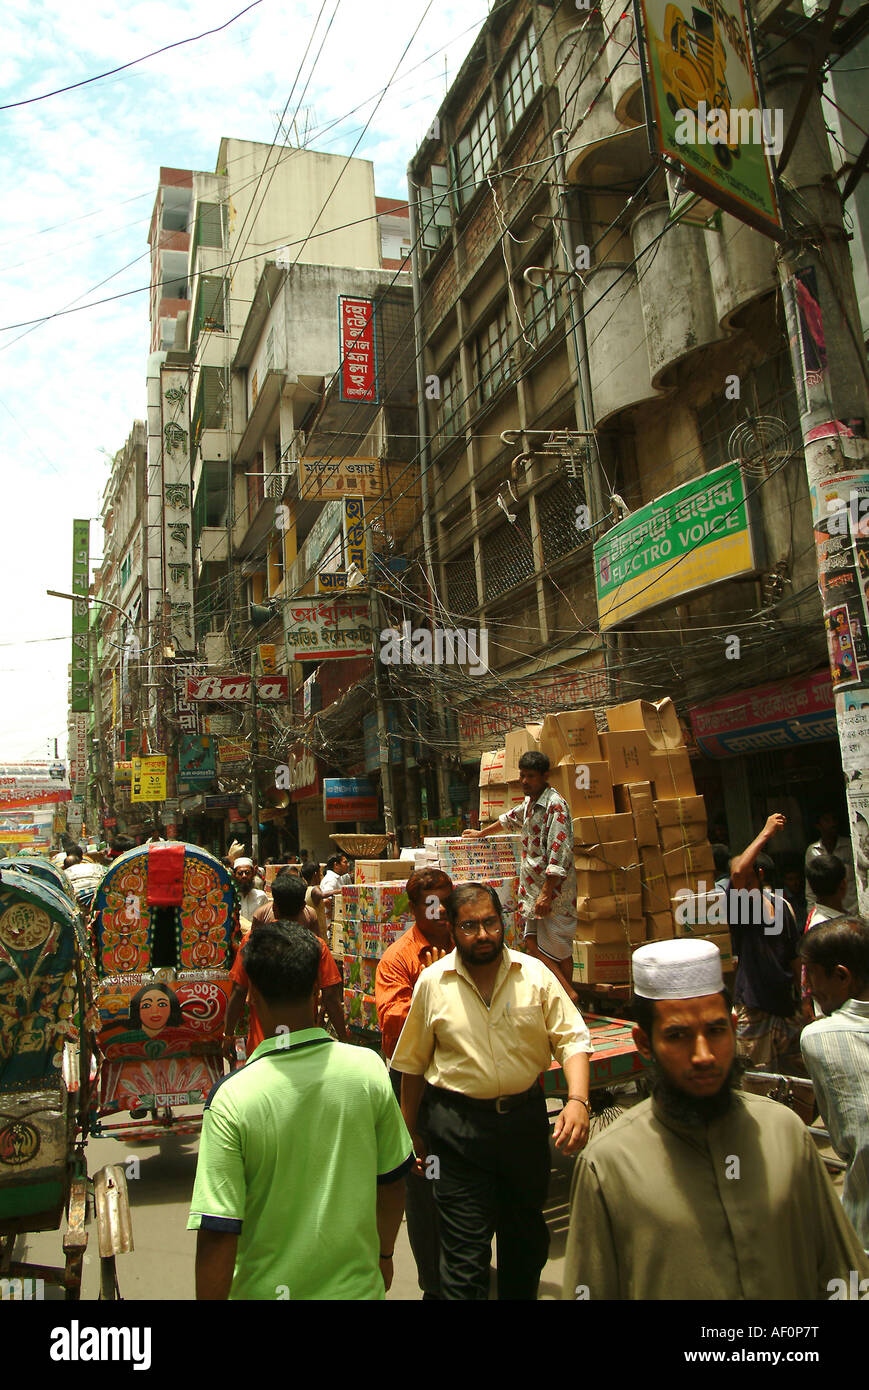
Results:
[138, 1114]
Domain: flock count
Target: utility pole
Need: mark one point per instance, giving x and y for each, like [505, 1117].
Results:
[382, 731]
[832, 385]
[254, 795]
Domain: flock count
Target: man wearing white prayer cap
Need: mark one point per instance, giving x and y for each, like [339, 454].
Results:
[249, 897]
[703, 1191]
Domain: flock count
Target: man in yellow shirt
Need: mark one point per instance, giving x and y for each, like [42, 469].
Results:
[484, 1022]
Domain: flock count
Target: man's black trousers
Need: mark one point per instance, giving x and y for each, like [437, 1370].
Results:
[493, 1180]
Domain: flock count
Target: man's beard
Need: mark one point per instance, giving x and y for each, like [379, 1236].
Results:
[468, 956]
[694, 1110]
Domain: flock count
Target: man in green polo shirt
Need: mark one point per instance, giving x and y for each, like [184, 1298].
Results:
[299, 1188]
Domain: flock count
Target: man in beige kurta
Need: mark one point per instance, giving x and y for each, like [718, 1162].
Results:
[702, 1192]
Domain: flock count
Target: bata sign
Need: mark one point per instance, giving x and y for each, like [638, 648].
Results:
[276, 688]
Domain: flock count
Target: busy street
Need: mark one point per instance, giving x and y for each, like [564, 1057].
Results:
[434, 772]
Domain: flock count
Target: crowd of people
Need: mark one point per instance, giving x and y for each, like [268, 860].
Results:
[309, 1158]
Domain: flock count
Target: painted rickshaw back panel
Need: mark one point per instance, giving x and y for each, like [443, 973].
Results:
[161, 1023]
[42, 961]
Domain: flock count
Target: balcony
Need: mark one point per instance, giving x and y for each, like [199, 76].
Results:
[675, 291]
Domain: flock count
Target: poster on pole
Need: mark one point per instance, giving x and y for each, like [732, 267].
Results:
[703, 106]
[840, 512]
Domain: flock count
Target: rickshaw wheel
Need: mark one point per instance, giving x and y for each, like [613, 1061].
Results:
[109, 1291]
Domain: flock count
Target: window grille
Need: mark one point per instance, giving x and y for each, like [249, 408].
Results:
[556, 517]
[461, 582]
[508, 559]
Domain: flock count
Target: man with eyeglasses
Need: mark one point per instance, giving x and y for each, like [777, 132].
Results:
[484, 1022]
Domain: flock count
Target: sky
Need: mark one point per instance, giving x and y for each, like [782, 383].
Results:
[80, 171]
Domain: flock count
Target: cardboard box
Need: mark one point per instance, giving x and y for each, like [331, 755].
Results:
[593, 884]
[382, 871]
[578, 728]
[672, 775]
[634, 797]
[690, 861]
[673, 836]
[629, 756]
[606, 931]
[492, 768]
[519, 741]
[659, 721]
[725, 946]
[697, 914]
[497, 801]
[601, 858]
[656, 892]
[601, 964]
[594, 795]
[679, 810]
[659, 926]
[645, 829]
[608, 905]
[596, 830]
[552, 742]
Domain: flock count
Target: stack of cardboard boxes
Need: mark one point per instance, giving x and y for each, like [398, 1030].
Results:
[640, 836]
[375, 911]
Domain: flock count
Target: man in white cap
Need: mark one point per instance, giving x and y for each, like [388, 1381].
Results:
[704, 1191]
[249, 898]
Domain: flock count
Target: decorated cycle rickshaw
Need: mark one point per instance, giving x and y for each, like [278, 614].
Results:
[164, 928]
[47, 1071]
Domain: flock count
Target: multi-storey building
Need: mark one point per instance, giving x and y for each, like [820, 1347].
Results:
[590, 351]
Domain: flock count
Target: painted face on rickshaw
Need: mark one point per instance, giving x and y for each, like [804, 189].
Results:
[154, 1011]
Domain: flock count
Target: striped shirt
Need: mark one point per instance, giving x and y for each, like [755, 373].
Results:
[836, 1053]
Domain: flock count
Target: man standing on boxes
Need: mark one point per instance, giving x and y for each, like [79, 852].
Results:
[704, 1191]
[547, 874]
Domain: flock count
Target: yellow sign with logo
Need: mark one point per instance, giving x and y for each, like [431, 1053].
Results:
[149, 779]
[268, 658]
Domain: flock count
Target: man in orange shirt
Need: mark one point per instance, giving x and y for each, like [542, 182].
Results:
[398, 971]
[288, 904]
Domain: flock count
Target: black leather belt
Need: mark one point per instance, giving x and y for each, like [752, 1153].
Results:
[499, 1105]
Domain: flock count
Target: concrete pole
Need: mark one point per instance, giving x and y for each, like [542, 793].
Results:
[382, 731]
[254, 794]
[832, 387]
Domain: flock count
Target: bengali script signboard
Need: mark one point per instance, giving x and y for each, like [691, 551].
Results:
[358, 349]
[315, 630]
[325, 479]
[33, 783]
[81, 692]
[689, 539]
[349, 798]
[484, 724]
[767, 717]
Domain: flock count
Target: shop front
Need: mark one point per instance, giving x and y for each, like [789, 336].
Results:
[770, 748]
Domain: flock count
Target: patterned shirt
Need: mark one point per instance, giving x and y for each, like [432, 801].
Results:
[836, 1053]
[547, 851]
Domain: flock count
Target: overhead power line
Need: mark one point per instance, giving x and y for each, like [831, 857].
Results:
[86, 81]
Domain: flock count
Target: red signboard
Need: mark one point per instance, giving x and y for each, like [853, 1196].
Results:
[237, 688]
[358, 349]
[767, 717]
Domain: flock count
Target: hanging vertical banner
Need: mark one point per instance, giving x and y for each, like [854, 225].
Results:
[354, 533]
[358, 349]
[81, 695]
[189, 719]
[268, 658]
[703, 107]
[114, 699]
[177, 506]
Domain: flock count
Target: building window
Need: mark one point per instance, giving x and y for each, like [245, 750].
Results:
[475, 152]
[556, 517]
[434, 209]
[126, 569]
[492, 354]
[508, 558]
[460, 576]
[541, 304]
[451, 412]
[520, 78]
